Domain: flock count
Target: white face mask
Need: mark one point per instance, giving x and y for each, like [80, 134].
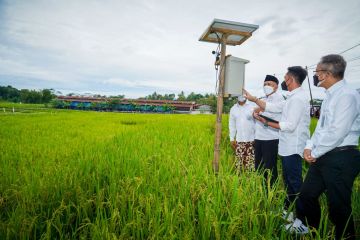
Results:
[241, 99]
[268, 90]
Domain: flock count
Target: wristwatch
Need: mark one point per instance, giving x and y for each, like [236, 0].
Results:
[266, 124]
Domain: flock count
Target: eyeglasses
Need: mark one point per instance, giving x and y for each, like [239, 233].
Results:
[317, 71]
[321, 70]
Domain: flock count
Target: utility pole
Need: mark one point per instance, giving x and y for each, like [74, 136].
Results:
[224, 33]
[220, 104]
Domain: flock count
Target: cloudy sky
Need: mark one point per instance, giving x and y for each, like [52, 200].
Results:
[137, 47]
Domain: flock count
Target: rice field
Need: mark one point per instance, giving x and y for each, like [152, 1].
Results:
[96, 175]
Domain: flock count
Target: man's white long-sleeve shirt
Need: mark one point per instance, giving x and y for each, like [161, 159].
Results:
[268, 133]
[294, 123]
[242, 123]
[339, 122]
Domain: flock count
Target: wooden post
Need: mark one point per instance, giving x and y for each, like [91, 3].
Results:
[220, 102]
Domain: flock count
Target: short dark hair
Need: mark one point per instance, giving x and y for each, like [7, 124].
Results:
[298, 72]
[335, 64]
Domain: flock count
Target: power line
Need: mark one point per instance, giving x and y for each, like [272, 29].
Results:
[356, 45]
[354, 59]
[350, 48]
[313, 65]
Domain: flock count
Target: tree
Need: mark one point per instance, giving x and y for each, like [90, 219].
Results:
[194, 97]
[47, 95]
[9, 94]
[211, 100]
[228, 103]
[181, 96]
[114, 103]
[80, 106]
[118, 96]
[55, 103]
[94, 106]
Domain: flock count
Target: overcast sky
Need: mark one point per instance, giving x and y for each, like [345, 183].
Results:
[137, 47]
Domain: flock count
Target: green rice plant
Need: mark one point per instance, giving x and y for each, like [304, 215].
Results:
[98, 175]
[4, 104]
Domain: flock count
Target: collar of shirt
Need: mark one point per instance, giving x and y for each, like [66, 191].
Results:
[331, 90]
[293, 92]
[239, 106]
[272, 95]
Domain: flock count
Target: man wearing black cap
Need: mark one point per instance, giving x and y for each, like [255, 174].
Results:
[294, 131]
[267, 139]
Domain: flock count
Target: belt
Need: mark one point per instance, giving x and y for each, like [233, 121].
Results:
[343, 148]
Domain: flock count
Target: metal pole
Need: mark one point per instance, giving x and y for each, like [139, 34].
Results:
[220, 102]
[311, 98]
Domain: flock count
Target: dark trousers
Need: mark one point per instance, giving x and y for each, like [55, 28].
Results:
[292, 175]
[266, 152]
[334, 172]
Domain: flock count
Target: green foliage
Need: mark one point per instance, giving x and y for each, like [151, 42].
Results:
[47, 95]
[25, 95]
[96, 175]
[56, 103]
[207, 99]
[9, 94]
[20, 105]
[181, 96]
[156, 96]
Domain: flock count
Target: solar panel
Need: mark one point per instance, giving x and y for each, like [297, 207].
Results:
[236, 32]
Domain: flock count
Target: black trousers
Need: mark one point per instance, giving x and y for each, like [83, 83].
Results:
[336, 173]
[266, 152]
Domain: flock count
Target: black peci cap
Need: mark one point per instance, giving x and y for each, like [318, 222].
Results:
[271, 78]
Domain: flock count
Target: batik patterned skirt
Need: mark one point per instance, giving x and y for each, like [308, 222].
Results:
[245, 156]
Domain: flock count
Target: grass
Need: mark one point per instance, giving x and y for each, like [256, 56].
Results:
[96, 175]
[4, 104]
[19, 108]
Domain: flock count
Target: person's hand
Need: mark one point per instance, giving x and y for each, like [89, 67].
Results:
[248, 96]
[308, 157]
[257, 117]
[233, 145]
[257, 110]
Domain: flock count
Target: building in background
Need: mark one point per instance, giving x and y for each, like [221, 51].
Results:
[125, 105]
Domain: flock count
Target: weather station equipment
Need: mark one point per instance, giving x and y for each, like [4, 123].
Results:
[234, 76]
[225, 33]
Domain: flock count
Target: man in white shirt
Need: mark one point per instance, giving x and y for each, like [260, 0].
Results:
[293, 129]
[332, 151]
[241, 132]
[267, 138]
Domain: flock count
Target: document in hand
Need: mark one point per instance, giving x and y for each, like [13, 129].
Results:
[268, 119]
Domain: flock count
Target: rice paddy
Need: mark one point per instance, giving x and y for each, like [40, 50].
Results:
[96, 175]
